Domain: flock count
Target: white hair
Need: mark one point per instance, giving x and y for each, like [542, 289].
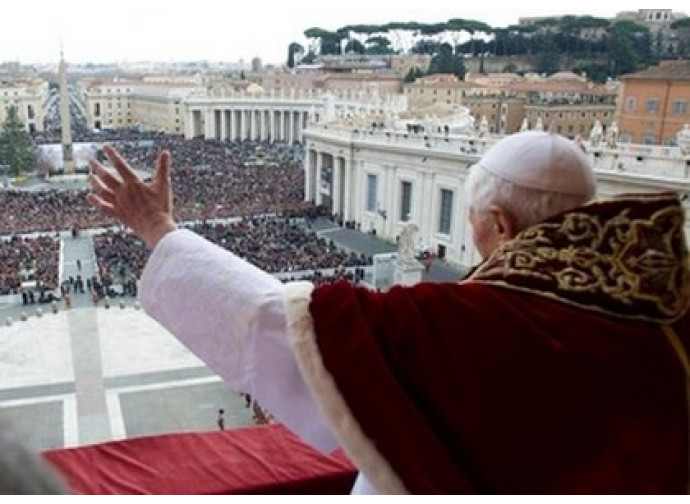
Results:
[528, 206]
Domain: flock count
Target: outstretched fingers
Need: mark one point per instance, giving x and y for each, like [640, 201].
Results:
[127, 174]
[102, 205]
[163, 169]
[103, 176]
[100, 188]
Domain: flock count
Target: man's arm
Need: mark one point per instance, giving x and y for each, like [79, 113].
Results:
[232, 316]
[229, 313]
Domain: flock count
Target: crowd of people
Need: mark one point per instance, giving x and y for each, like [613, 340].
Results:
[120, 259]
[278, 245]
[211, 179]
[29, 260]
[214, 181]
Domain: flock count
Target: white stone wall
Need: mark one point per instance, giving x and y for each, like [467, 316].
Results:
[433, 162]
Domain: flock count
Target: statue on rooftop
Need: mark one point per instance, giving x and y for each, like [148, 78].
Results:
[612, 135]
[406, 244]
[596, 135]
[483, 126]
[683, 139]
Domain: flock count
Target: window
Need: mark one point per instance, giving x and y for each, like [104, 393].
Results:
[680, 107]
[648, 139]
[405, 200]
[652, 106]
[372, 192]
[630, 104]
[444, 221]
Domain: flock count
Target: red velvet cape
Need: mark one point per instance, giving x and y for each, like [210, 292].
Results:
[479, 387]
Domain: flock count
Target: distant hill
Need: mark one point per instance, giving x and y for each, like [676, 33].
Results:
[601, 48]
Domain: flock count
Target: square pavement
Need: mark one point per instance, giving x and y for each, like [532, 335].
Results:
[93, 374]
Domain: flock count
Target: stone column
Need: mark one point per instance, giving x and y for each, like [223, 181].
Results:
[428, 203]
[308, 175]
[389, 198]
[223, 124]
[336, 186]
[189, 123]
[262, 123]
[319, 164]
[242, 124]
[208, 127]
[233, 125]
[281, 126]
[347, 196]
[217, 124]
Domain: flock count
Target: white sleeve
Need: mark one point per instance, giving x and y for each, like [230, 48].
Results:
[232, 316]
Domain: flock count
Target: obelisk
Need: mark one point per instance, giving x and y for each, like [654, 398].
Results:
[67, 149]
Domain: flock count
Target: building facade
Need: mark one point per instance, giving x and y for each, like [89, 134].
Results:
[380, 180]
[666, 42]
[654, 104]
[156, 106]
[564, 102]
[29, 96]
[275, 116]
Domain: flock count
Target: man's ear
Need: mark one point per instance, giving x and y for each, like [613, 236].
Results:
[505, 226]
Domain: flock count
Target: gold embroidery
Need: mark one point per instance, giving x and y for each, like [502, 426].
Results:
[626, 256]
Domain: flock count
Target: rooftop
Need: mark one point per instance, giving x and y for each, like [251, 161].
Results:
[679, 70]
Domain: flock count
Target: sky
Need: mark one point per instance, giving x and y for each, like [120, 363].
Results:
[101, 31]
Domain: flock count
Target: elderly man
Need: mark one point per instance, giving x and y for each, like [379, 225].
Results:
[558, 366]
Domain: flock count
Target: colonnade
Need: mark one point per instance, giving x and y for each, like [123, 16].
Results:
[330, 180]
[247, 123]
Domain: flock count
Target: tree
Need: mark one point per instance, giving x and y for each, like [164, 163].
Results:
[378, 45]
[426, 46]
[414, 74]
[295, 51]
[681, 28]
[309, 59]
[629, 47]
[354, 46]
[473, 27]
[16, 150]
[447, 62]
[403, 35]
[548, 60]
[323, 41]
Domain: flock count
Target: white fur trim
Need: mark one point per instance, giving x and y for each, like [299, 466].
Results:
[356, 444]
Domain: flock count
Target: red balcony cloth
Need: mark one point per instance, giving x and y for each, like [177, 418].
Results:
[253, 460]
